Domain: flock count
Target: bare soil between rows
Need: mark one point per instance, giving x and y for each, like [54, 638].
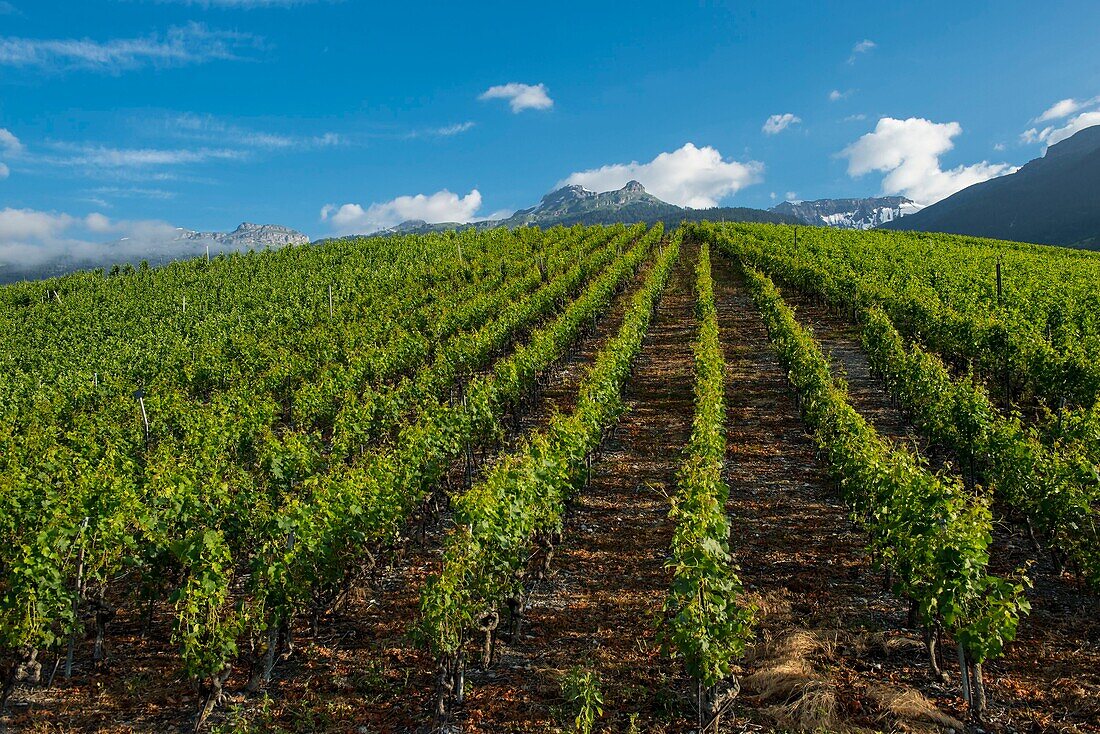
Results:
[600, 606]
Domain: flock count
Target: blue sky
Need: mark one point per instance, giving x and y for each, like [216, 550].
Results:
[121, 116]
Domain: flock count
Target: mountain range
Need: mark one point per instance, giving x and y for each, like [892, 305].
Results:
[571, 205]
[1053, 200]
[849, 213]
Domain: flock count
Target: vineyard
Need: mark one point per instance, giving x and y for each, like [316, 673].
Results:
[724, 478]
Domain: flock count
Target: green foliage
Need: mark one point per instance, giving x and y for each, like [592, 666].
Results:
[288, 447]
[581, 690]
[1041, 339]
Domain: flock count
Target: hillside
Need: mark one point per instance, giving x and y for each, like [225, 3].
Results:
[1053, 200]
[450, 476]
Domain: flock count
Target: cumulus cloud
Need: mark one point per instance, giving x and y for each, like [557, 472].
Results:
[1071, 108]
[861, 48]
[690, 176]
[184, 45]
[836, 95]
[908, 152]
[442, 206]
[521, 96]
[778, 123]
[9, 143]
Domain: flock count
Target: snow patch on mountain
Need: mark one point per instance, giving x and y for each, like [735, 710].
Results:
[849, 213]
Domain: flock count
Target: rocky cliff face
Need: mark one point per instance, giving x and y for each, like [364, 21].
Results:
[248, 235]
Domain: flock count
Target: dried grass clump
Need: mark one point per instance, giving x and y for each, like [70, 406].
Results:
[910, 706]
[787, 676]
[812, 708]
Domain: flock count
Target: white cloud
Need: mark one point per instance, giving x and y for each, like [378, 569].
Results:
[101, 156]
[691, 176]
[31, 240]
[9, 142]
[447, 131]
[1065, 108]
[836, 95]
[455, 129]
[908, 152]
[210, 129]
[1052, 134]
[193, 43]
[855, 118]
[442, 206]
[521, 96]
[131, 193]
[861, 48]
[999, 147]
[791, 196]
[778, 123]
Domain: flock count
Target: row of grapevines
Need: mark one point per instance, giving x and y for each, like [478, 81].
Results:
[522, 498]
[1057, 492]
[707, 626]
[930, 533]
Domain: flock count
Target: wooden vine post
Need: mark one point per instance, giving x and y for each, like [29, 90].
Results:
[140, 395]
